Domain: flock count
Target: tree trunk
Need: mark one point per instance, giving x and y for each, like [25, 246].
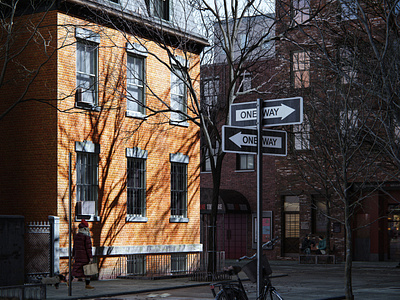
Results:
[349, 254]
[212, 229]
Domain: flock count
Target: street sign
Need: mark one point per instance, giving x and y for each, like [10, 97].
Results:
[276, 112]
[244, 140]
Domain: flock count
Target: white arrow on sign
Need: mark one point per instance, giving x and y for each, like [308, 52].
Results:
[281, 111]
[241, 139]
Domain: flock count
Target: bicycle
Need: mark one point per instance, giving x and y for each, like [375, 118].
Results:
[234, 289]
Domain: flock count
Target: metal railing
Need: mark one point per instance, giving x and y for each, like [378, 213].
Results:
[22, 292]
[167, 265]
[37, 251]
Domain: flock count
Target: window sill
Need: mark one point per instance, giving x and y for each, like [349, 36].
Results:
[179, 123]
[86, 106]
[244, 171]
[178, 220]
[89, 218]
[135, 114]
[136, 219]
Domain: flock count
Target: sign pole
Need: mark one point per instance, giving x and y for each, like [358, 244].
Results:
[259, 195]
[70, 225]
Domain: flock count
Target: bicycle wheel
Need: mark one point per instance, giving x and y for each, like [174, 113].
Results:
[231, 294]
[273, 295]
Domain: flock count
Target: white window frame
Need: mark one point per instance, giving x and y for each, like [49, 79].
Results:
[87, 60]
[178, 95]
[136, 80]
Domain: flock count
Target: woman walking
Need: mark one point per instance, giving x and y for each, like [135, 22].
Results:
[82, 252]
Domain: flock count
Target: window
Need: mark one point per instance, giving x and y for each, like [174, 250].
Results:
[245, 82]
[348, 65]
[319, 215]
[207, 156]
[292, 217]
[135, 80]
[178, 263]
[301, 10]
[159, 8]
[244, 162]
[136, 184]
[86, 68]
[178, 96]
[87, 177]
[349, 9]
[179, 183]
[349, 122]
[300, 69]
[301, 136]
[135, 87]
[210, 92]
[136, 264]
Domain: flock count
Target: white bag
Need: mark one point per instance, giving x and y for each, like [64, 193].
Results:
[90, 269]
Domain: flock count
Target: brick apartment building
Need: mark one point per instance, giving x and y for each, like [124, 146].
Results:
[294, 201]
[93, 89]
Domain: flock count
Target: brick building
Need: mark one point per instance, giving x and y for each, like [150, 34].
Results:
[98, 75]
[238, 196]
[318, 58]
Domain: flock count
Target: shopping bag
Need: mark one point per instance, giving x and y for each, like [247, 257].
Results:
[90, 269]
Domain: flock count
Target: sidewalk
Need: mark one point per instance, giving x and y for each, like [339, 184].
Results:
[371, 280]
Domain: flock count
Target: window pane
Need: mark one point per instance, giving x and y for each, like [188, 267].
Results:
[178, 96]
[86, 66]
[178, 190]
[136, 187]
[87, 176]
[135, 83]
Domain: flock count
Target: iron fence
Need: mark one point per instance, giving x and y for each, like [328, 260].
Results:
[24, 292]
[165, 265]
[37, 251]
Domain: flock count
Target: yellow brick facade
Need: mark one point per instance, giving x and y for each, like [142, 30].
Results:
[115, 132]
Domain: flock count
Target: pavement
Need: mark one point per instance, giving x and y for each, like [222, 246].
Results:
[294, 281]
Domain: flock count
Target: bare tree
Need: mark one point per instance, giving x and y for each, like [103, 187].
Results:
[350, 85]
[226, 25]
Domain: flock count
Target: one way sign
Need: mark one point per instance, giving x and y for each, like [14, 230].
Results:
[276, 112]
[244, 140]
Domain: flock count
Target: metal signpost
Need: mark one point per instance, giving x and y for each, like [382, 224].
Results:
[238, 139]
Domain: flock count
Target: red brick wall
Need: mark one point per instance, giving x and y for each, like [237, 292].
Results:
[28, 173]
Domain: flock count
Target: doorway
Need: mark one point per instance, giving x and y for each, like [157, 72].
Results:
[394, 232]
[291, 217]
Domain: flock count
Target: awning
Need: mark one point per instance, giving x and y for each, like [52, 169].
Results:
[230, 201]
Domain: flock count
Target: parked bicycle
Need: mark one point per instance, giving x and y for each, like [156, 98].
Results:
[234, 289]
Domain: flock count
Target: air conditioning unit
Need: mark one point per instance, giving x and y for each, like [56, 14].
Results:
[85, 208]
[78, 95]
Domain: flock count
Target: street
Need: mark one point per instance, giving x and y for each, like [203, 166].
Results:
[371, 280]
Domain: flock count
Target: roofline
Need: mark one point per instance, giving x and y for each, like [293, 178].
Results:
[165, 29]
